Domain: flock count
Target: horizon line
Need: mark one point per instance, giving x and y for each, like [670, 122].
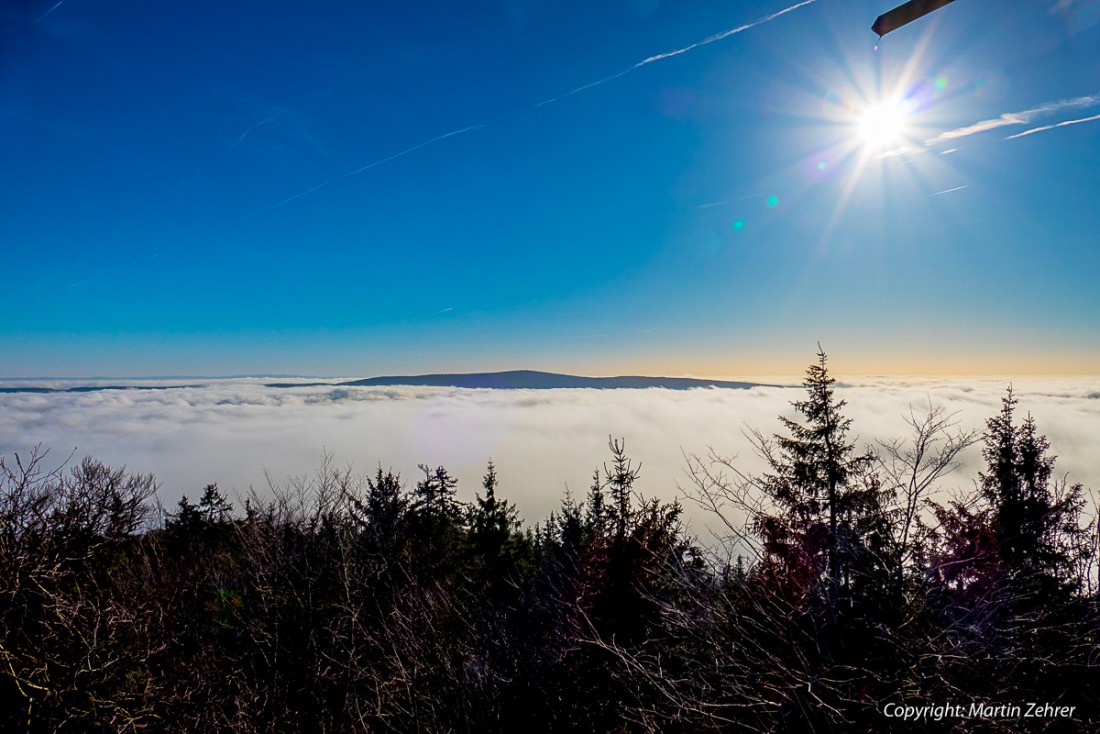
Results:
[839, 376]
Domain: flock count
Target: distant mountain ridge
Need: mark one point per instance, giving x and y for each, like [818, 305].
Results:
[533, 380]
[512, 380]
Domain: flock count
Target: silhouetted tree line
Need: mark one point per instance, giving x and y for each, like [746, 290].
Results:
[348, 604]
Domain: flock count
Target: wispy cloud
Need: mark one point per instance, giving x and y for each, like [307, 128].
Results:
[1041, 128]
[644, 62]
[1080, 15]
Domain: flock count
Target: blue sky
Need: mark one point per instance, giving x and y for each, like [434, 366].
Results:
[191, 188]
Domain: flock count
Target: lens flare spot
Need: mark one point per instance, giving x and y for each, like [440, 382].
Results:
[738, 224]
[773, 200]
[821, 165]
[941, 82]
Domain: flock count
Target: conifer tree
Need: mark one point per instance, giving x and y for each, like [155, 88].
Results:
[214, 507]
[620, 483]
[823, 488]
[492, 521]
[382, 514]
[434, 496]
[1035, 517]
[436, 519]
[207, 520]
[595, 507]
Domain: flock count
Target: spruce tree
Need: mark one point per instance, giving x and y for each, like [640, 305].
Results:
[825, 491]
[434, 497]
[492, 520]
[1035, 517]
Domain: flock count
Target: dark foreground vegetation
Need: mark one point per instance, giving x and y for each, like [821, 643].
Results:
[843, 588]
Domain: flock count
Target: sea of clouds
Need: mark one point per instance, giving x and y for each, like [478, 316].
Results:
[542, 441]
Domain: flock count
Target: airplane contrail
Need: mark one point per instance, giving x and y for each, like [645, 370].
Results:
[1023, 117]
[87, 280]
[55, 7]
[1015, 118]
[644, 62]
[252, 127]
[670, 54]
[367, 167]
[436, 139]
[948, 191]
[1041, 128]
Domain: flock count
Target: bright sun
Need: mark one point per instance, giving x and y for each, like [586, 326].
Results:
[882, 125]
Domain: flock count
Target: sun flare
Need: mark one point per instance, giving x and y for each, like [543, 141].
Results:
[883, 125]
